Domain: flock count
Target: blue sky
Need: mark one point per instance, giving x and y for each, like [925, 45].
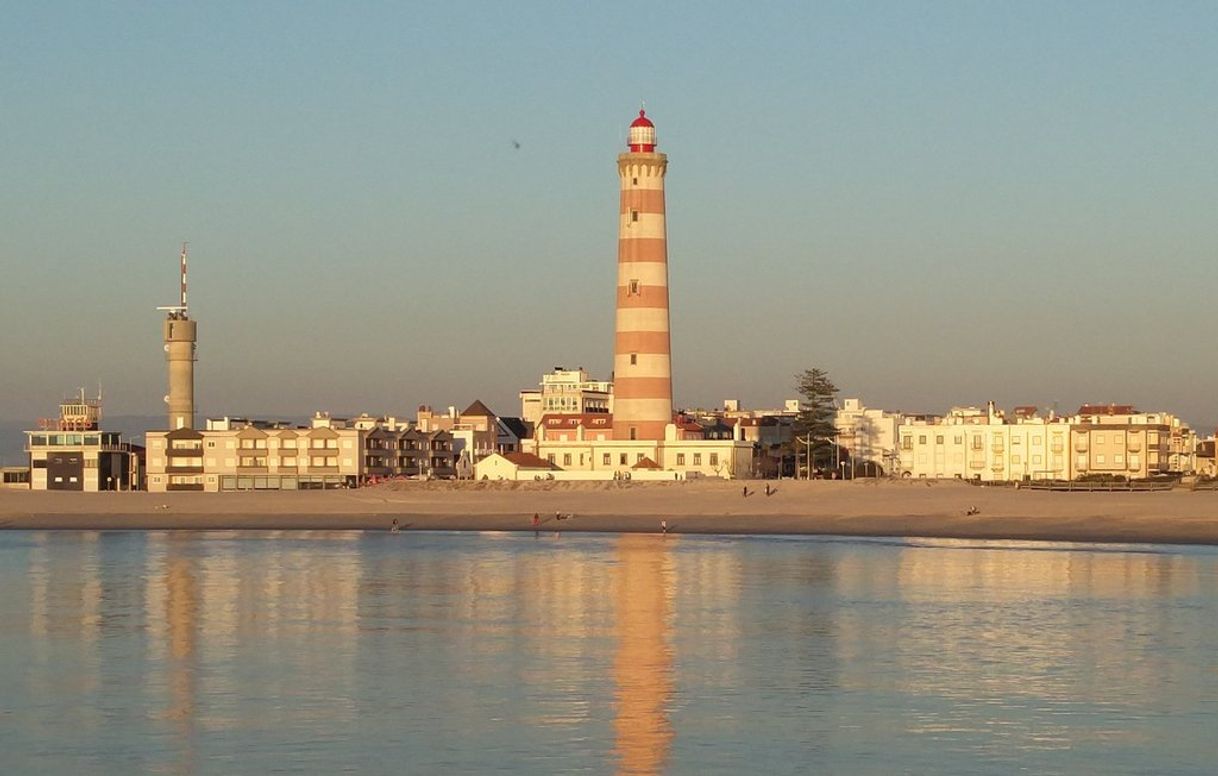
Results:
[940, 203]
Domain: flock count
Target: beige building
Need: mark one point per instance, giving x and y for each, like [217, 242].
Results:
[513, 466]
[331, 453]
[975, 444]
[1119, 440]
[1114, 440]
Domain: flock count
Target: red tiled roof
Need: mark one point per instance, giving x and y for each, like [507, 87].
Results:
[529, 461]
[646, 463]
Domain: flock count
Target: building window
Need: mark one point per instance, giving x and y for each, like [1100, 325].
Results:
[977, 442]
[634, 433]
[680, 459]
[638, 457]
[622, 458]
[921, 439]
[634, 181]
[605, 459]
[566, 459]
[697, 459]
[550, 457]
[938, 439]
[714, 459]
[1099, 439]
[1099, 458]
[1118, 458]
[958, 440]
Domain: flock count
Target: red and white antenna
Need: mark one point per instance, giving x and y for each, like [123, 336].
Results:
[179, 310]
[184, 276]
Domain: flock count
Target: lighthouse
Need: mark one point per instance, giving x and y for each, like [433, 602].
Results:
[642, 353]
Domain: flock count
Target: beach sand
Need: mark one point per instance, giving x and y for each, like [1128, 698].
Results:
[861, 508]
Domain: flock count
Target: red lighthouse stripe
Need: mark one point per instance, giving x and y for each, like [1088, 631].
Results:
[641, 342]
[642, 249]
[642, 388]
[642, 200]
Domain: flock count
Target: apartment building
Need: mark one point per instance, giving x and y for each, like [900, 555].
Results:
[986, 445]
[257, 455]
[566, 391]
[976, 444]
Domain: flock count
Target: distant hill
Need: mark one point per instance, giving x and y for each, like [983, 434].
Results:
[133, 427]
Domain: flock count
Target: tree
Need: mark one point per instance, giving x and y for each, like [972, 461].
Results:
[814, 425]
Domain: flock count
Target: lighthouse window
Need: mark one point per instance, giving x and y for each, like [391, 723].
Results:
[634, 288]
[634, 359]
[634, 181]
[634, 215]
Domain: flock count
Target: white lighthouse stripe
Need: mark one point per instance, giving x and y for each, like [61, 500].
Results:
[648, 273]
[642, 319]
[641, 409]
[647, 179]
[648, 225]
[646, 365]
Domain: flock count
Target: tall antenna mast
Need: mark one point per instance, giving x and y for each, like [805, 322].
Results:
[178, 311]
[184, 252]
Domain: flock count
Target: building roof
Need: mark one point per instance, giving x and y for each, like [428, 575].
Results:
[642, 120]
[529, 461]
[518, 427]
[1107, 409]
[478, 410]
[646, 463]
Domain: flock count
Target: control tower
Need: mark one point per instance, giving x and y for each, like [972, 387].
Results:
[180, 334]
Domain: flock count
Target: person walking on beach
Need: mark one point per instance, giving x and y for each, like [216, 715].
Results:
[664, 527]
[394, 528]
[536, 520]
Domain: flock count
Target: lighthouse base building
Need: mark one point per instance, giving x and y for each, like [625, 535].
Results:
[582, 447]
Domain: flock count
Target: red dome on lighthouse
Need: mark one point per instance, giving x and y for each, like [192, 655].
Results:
[642, 134]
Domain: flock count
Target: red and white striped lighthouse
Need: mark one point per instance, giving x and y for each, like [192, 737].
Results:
[642, 353]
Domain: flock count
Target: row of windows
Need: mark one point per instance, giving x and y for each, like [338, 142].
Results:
[977, 442]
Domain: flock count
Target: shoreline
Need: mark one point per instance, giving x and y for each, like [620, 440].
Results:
[847, 509]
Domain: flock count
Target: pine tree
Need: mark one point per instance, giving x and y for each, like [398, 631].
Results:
[816, 415]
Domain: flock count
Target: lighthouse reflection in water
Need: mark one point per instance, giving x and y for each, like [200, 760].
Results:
[245, 653]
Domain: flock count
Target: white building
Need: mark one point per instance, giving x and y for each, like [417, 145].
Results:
[870, 435]
[566, 391]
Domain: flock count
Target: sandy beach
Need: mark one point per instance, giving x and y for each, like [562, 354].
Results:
[912, 509]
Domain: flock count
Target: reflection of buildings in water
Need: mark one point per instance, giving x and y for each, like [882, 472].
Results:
[644, 586]
[66, 608]
[982, 629]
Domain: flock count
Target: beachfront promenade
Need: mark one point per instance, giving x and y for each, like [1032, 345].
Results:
[862, 508]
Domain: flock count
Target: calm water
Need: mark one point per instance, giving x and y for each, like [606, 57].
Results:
[425, 653]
